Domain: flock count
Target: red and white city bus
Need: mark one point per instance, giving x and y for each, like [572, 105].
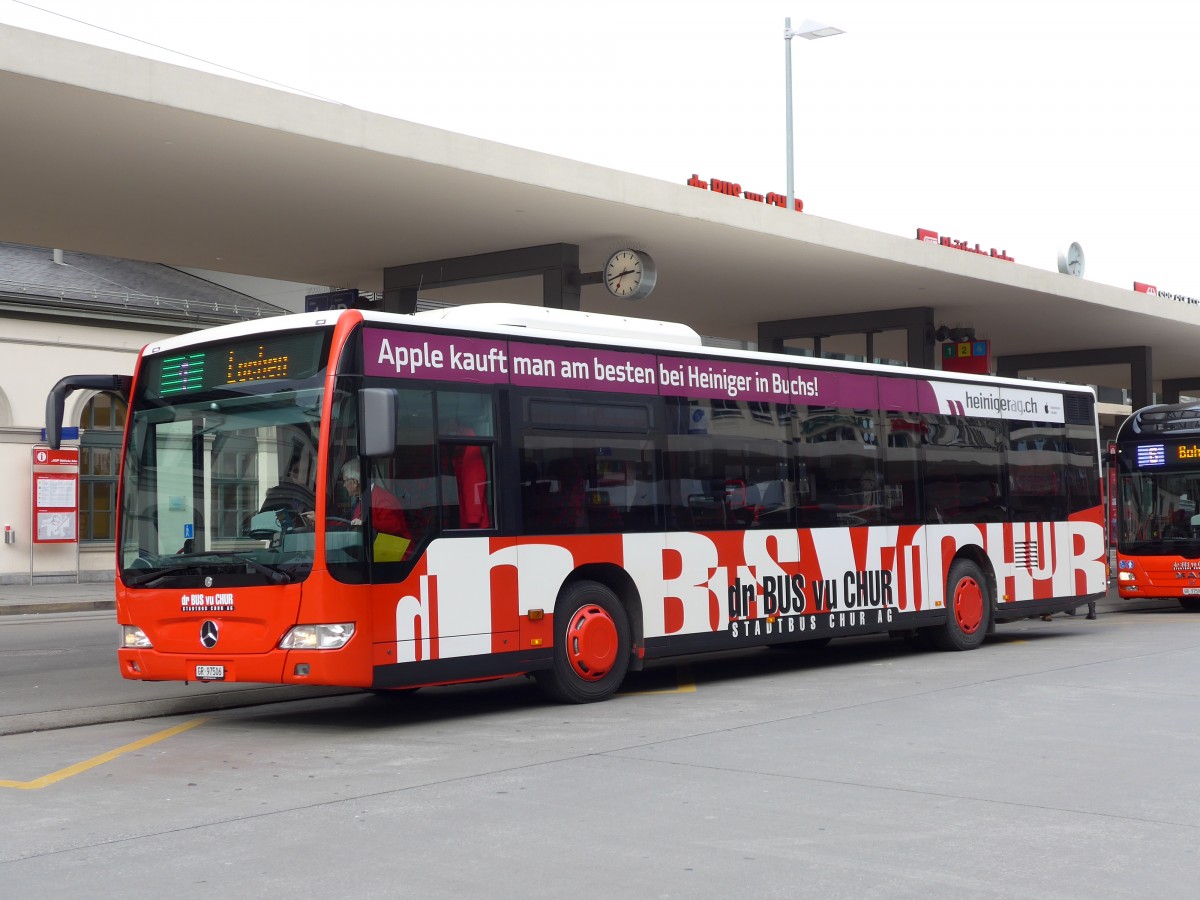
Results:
[498, 490]
[1157, 462]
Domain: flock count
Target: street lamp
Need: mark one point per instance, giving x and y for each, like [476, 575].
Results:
[810, 31]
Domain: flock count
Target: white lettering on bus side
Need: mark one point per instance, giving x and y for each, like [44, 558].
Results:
[626, 373]
[532, 366]
[796, 386]
[495, 360]
[756, 584]
[410, 359]
[733, 385]
[680, 581]
[670, 377]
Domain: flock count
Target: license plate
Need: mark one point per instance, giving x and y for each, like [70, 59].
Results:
[210, 673]
[1191, 592]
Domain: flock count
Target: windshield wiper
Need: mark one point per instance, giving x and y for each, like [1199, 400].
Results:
[274, 574]
[148, 577]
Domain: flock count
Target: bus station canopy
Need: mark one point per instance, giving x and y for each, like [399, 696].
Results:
[113, 154]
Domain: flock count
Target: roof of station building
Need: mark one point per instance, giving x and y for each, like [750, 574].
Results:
[73, 283]
[125, 157]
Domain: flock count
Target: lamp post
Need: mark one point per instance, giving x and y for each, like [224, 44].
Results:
[810, 31]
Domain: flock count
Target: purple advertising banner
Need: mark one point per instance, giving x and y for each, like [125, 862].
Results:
[403, 354]
[472, 360]
[583, 368]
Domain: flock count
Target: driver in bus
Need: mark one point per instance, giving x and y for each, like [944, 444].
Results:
[386, 515]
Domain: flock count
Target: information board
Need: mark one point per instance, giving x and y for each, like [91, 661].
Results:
[55, 496]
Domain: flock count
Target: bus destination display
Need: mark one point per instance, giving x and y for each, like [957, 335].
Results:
[1157, 456]
[182, 373]
[221, 365]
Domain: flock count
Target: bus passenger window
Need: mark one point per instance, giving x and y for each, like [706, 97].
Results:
[465, 464]
[467, 481]
[963, 456]
[568, 512]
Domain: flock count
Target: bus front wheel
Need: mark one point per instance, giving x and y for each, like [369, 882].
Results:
[968, 609]
[591, 645]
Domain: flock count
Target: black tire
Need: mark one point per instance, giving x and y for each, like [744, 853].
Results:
[968, 609]
[1192, 603]
[591, 645]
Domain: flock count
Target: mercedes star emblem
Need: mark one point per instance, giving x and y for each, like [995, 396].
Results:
[208, 633]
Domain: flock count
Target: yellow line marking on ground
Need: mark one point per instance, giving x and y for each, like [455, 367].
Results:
[79, 767]
[684, 684]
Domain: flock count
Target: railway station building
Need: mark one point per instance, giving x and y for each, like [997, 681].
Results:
[145, 199]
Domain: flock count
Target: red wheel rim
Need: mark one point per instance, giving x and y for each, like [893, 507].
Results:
[968, 605]
[591, 643]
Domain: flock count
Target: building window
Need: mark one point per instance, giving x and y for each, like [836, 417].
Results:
[100, 428]
[235, 495]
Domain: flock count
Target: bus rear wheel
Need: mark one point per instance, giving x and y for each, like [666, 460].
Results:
[591, 645]
[968, 609]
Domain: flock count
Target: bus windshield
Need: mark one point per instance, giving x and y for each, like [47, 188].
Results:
[218, 481]
[1160, 512]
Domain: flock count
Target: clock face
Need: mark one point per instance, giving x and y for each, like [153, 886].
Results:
[1072, 261]
[623, 273]
[629, 274]
[1075, 259]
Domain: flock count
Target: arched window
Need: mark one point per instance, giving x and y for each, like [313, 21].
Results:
[100, 428]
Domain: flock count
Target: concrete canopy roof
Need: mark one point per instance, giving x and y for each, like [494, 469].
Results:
[114, 154]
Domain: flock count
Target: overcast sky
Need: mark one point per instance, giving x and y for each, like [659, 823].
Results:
[1019, 125]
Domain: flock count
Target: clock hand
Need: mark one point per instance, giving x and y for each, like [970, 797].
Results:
[620, 275]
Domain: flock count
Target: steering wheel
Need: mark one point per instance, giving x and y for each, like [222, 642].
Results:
[292, 521]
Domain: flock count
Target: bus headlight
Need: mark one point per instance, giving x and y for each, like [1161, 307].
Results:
[1124, 576]
[318, 637]
[133, 638]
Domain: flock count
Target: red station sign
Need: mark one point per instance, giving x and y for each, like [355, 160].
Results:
[967, 356]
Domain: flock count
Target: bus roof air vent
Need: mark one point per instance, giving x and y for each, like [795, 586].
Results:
[1163, 418]
[563, 321]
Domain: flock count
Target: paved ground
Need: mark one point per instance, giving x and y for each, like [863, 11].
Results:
[1057, 761]
[24, 599]
[60, 670]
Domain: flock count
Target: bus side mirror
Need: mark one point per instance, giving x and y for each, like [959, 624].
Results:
[376, 422]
